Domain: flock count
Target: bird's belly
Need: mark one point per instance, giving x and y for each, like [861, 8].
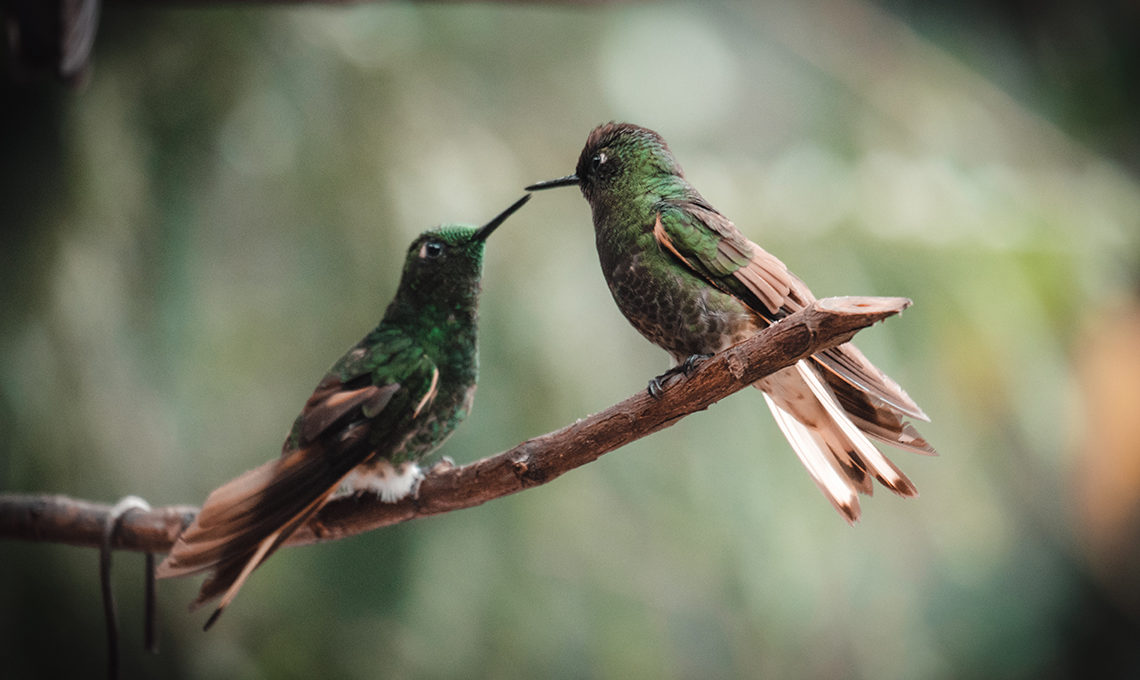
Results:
[677, 311]
[393, 470]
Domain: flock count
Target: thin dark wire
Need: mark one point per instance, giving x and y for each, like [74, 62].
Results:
[110, 610]
[150, 620]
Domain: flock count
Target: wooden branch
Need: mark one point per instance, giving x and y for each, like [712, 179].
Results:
[825, 323]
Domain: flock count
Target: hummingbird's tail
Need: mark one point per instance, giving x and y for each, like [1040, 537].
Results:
[832, 442]
[245, 520]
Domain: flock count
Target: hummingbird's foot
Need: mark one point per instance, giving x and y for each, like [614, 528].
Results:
[657, 385]
[694, 360]
[445, 463]
[686, 367]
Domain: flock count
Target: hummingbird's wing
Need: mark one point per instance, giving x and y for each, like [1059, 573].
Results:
[373, 390]
[712, 247]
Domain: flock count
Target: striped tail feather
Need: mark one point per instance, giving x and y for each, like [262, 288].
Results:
[834, 445]
[245, 520]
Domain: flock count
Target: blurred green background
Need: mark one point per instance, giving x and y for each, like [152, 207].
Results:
[191, 239]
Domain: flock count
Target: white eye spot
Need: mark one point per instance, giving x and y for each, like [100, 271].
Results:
[431, 250]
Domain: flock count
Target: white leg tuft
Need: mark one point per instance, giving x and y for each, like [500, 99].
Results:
[391, 483]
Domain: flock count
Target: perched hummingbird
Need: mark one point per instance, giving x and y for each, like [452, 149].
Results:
[693, 284]
[386, 404]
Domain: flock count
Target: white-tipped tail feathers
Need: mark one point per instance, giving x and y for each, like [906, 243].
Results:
[836, 452]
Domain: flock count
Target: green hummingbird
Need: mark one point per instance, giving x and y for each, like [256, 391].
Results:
[391, 400]
[693, 284]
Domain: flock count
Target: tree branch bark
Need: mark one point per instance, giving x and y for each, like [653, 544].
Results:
[825, 323]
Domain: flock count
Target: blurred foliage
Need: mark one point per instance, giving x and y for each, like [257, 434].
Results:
[192, 239]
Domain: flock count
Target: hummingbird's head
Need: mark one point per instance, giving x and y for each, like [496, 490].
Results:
[444, 265]
[619, 157]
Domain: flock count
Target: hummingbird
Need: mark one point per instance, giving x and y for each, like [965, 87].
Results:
[391, 400]
[690, 282]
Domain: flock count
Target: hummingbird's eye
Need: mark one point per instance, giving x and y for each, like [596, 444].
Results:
[431, 250]
[597, 161]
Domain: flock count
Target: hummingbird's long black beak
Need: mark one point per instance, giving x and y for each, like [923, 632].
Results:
[551, 183]
[486, 229]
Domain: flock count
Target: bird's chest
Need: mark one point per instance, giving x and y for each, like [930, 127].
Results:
[436, 423]
[446, 402]
[673, 308]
